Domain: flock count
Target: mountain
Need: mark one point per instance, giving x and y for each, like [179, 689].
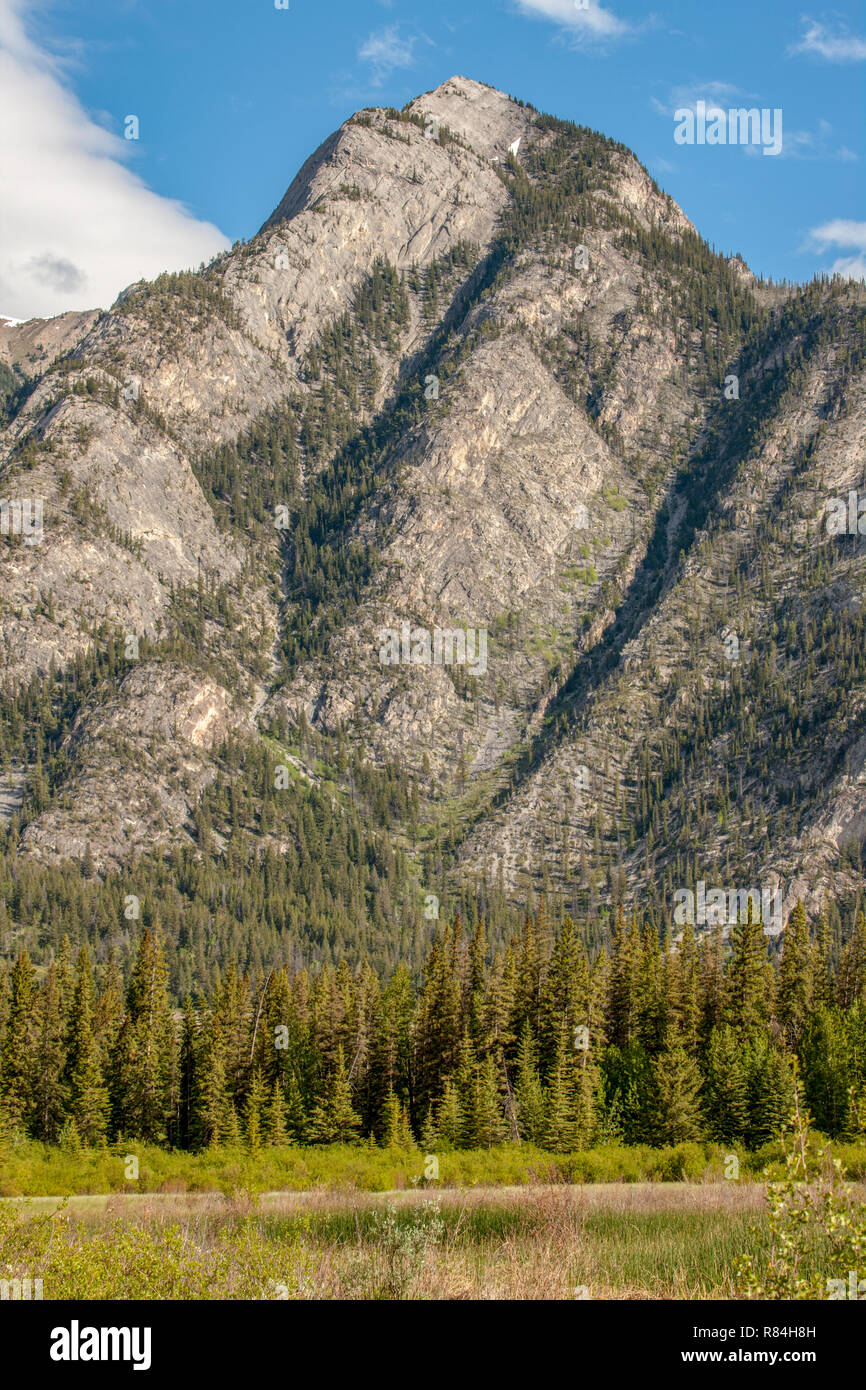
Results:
[446, 387]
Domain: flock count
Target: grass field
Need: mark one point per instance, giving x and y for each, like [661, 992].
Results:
[363, 1223]
[606, 1241]
[32, 1169]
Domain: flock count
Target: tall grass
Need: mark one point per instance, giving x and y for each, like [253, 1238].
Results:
[28, 1168]
[539, 1243]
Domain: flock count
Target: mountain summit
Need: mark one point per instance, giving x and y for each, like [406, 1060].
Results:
[449, 400]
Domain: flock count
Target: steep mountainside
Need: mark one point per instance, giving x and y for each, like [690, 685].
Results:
[479, 375]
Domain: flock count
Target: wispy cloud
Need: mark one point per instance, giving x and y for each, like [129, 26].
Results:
[588, 20]
[686, 98]
[836, 46]
[77, 225]
[848, 235]
[386, 51]
[818, 144]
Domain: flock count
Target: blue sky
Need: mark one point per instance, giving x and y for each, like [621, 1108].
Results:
[232, 95]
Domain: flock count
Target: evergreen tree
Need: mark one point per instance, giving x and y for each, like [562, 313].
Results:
[750, 982]
[796, 978]
[677, 1083]
[486, 1122]
[334, 1120]
[559, 1119]
[254, 1113]
[726, 1098]
[88, 1094]
[296, 1112]
[449, 1117]
[48, 1099]
[528, 1091]
[771, 1092]
[18, 1047]
[276, 1117]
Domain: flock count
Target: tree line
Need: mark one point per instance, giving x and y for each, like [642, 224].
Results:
[656, 1041]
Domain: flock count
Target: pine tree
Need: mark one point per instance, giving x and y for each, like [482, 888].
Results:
[822, 962]
[334, 1120]
[565, 994]
[88, 1095]
[712, 982]
[230, 1134]
[486, 1125]
[624, 983]
[796, 977]
[771, 1092]
[726, 1099]
[851, 984]
[677, 1083]
[750, 982]
[449, 1117]
[559, 1117]
[18, 1047]
[296, 1113]
[390, 1125]
[254, 1108]
[828, 1067]
[48, 1098]
[212, 1098]
[683, 990]
[108, 1010]
[144, 1061]
[276, 1119]
[528, 1091]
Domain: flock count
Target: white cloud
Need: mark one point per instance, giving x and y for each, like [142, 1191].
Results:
[837, 47]
[797, 144]
[77, 226]
[687, 97]
[589, 20]
[851, 267]
[849, 235]
[817, 145]
[387, 51]
[841, 231]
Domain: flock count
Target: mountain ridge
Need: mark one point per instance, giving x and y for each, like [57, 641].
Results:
[480, 391]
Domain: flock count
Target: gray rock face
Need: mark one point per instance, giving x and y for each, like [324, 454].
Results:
[531, 490]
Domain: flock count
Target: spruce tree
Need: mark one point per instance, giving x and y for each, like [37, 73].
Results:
[48, 1094]
[771, 1092]
[88, 1095]
[796, 979]
[528, 1091]
[18, 1047]
[750, 982]
[144, 1060]
[726, 1099]
[296, 1113]
[676, 1084]
[559, 1116]
[276, 1119]
[486, 1125]
[253, 1120]
[334, 1120]
[449, 1117]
